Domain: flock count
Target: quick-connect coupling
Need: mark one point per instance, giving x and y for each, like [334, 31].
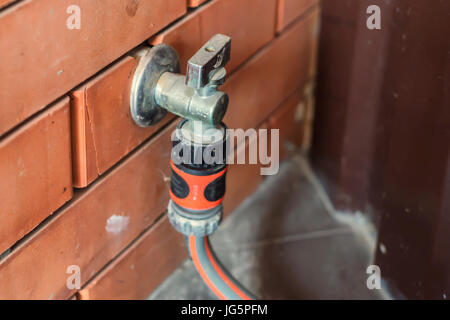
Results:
[197, 185]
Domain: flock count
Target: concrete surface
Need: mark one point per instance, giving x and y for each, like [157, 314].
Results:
[286, 242]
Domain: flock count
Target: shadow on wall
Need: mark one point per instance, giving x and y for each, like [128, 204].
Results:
[382, 135]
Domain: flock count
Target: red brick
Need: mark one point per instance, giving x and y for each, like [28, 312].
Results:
[42, 59]
[242, 180]
[272, 75]
[4, 3]
[102, 128]
[142, 267]
[35, 171]
[289, 10]
[288, 118]
[82, 232]
[195, 3]
[249, 23]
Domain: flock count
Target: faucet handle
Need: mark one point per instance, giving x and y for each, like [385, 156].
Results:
[213, 56]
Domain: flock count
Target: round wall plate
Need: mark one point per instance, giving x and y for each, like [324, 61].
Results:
[153, 62]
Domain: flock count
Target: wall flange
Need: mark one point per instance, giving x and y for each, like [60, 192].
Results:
[153, 62]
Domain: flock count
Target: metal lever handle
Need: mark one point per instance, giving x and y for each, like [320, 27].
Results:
[213, 56]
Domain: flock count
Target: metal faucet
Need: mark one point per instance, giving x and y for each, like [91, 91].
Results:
[197, 188]
[197, 183]
[158, 87]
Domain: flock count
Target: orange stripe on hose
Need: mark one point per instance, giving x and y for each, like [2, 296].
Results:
[200, 270]
[222, 275]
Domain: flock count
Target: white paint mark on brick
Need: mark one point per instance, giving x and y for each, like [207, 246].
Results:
[165, 178]
[116, 224]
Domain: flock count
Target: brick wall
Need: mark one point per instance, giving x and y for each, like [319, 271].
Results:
[80, 183]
